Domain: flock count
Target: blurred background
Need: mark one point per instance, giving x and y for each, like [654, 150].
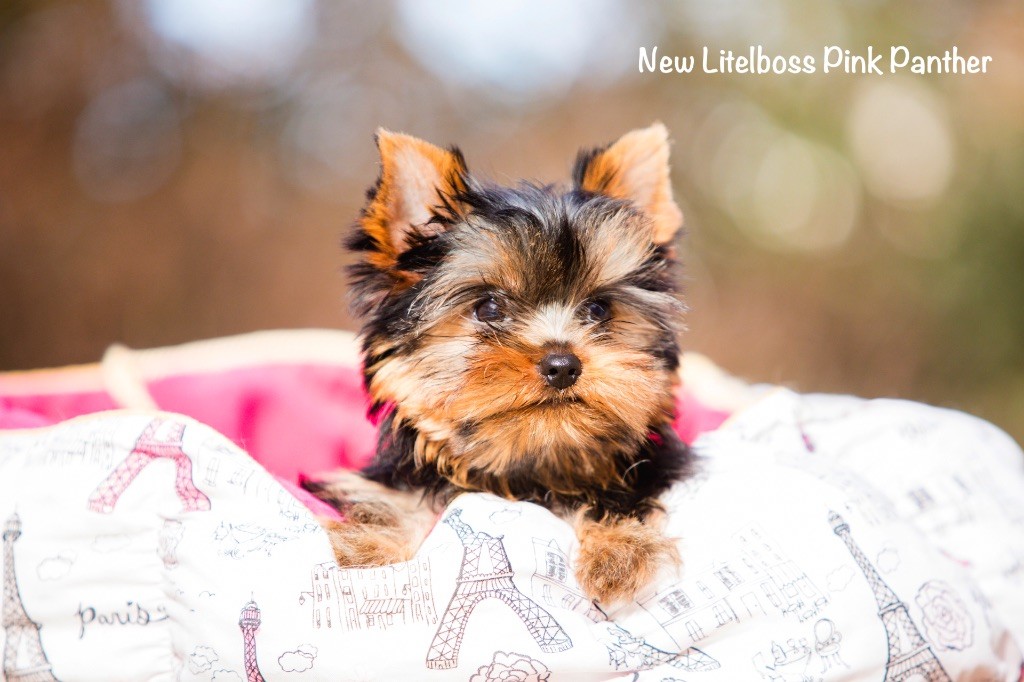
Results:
[173, 170]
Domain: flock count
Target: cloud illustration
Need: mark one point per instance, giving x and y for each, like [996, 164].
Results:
[505, 515]
[202, 659]
[888, 560]
[54, 568]
[839, 578]
[299, 660]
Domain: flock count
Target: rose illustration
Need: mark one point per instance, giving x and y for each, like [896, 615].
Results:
[947, 623]
[512, 667]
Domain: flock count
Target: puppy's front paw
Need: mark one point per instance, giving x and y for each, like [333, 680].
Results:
[370, 535]
[617, 558]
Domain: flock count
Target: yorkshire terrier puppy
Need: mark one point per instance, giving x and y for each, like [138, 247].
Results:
[520, 341]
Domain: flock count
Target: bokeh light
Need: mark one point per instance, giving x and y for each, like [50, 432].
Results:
[224, 43]
[901, 141]
[514, 49]
[182, 169]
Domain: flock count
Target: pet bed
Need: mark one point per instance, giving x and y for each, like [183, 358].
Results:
[823, 538]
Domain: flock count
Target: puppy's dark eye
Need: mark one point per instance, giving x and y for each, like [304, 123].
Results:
[488, 310]
[597, 310]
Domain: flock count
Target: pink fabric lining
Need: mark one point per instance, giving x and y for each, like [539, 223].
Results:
[296, 420]
[694, 418]
[293, 419]
[29, 411]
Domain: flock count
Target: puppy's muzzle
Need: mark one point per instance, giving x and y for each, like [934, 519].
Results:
[560, 370]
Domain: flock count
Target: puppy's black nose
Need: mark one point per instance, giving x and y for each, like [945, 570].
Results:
[560, 370]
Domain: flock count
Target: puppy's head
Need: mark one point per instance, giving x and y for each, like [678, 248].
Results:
[525, 335]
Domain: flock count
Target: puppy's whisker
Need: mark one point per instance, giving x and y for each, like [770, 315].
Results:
[634, 466]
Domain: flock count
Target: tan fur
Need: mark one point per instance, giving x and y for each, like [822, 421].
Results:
[357, 542]
[381, 525]
[635, 167]
[618, 557]
[413, 176]
[619, 247]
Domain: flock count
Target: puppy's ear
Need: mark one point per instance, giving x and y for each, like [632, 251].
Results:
[416, 181]
[635, 168]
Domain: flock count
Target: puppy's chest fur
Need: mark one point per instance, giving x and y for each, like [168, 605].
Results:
[612, 481]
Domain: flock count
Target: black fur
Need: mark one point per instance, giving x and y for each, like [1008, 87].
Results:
[660, 461]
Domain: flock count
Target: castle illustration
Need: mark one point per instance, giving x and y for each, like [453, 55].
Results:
[552, 582]
[372, 598]
[755, 580]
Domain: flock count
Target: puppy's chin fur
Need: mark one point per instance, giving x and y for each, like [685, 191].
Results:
[569, 447]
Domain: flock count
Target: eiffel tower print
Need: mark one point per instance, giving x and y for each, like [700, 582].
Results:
[249, 621]
[909, 654]
[486, 573]
[161, 439]
[24, 658]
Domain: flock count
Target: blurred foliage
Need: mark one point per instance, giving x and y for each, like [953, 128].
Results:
[179, 169]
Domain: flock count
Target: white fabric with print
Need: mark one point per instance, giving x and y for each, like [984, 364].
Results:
[823, 538]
